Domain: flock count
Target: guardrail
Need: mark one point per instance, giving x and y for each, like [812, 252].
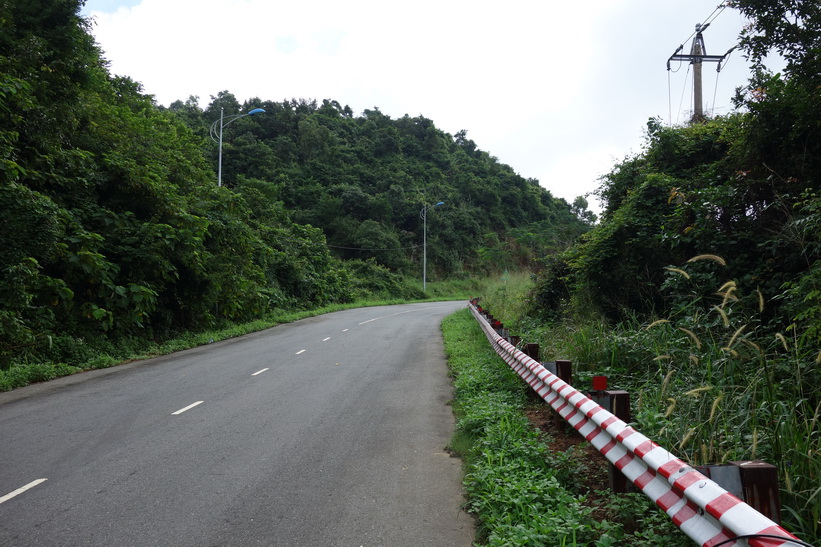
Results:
[707, 513]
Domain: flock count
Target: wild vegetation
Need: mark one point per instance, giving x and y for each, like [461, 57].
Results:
[117, 238]
[698, 291]
[522, 491]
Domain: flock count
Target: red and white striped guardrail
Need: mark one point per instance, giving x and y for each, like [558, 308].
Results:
[704, 511]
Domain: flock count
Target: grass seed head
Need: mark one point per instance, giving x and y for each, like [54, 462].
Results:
[723, 314]
[731, 343]
[755, 442]
[665, 384]
[656, 323]
[686, 438]
[715, 258]
[755, 346]
[679, 271]
[670, 408]
[729, 285]
[714, 406]
[692, 336]
[731, 351]
[783, 340]
[698, 391]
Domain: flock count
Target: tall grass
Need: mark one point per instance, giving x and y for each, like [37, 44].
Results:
[506, 295]
[712, 384]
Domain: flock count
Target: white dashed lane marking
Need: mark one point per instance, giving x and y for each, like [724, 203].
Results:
[189, 407]
[20, 490]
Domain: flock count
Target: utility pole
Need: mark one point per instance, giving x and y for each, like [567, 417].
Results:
[698, 55]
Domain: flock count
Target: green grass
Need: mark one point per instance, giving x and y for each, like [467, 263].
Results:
[521, 492]
[709, 383]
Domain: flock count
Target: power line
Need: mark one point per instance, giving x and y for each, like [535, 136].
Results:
[681, 101]
[366, 249]
[720, 9]
[697, 56]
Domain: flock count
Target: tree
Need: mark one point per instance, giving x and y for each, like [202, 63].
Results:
[579, 208]
[790, 27]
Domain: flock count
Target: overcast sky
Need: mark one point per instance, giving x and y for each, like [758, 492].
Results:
[560, 91]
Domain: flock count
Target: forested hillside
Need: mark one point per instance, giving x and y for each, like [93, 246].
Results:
[114, 228]
[365, 179]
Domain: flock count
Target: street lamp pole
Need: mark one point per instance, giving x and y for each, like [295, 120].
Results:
[216, 136]
[424, 214]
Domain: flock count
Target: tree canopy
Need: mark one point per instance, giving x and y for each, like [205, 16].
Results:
[114, 227]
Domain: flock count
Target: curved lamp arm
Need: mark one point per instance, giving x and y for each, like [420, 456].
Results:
[217, 136]
[225, 120]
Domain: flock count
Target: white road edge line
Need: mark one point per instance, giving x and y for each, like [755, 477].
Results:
[259, 372]
[189, 407]
[22, 489]
[300, 351]
[395, 314]
[326, 339]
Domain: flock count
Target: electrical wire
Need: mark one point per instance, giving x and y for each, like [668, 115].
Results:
[693, 92]
[710, 18]
[718, 75]
[762, 536]
[715, 15]
[682, 94]
[364, 249]
[679, 67]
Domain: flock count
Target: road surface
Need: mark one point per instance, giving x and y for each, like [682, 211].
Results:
[326, 431]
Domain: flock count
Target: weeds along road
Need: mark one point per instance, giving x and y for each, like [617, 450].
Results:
[326, 431]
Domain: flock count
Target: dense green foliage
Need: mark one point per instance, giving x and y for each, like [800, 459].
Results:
[700, 290]
[744, 187]
[364, 180]
[115, 234]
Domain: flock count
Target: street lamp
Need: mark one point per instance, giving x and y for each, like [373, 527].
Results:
[424, 214]
[216, 136]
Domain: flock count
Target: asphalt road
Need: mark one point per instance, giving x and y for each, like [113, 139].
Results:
[326, 431]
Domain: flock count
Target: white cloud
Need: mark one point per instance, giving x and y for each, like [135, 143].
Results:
[557, 91]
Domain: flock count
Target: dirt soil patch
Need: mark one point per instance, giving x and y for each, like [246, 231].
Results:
[561, 437]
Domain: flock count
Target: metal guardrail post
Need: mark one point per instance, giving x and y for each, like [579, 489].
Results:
[754, 481]
[707, 513]
[562, 368]
[618, 403]
[761, 490]
[531, 350]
